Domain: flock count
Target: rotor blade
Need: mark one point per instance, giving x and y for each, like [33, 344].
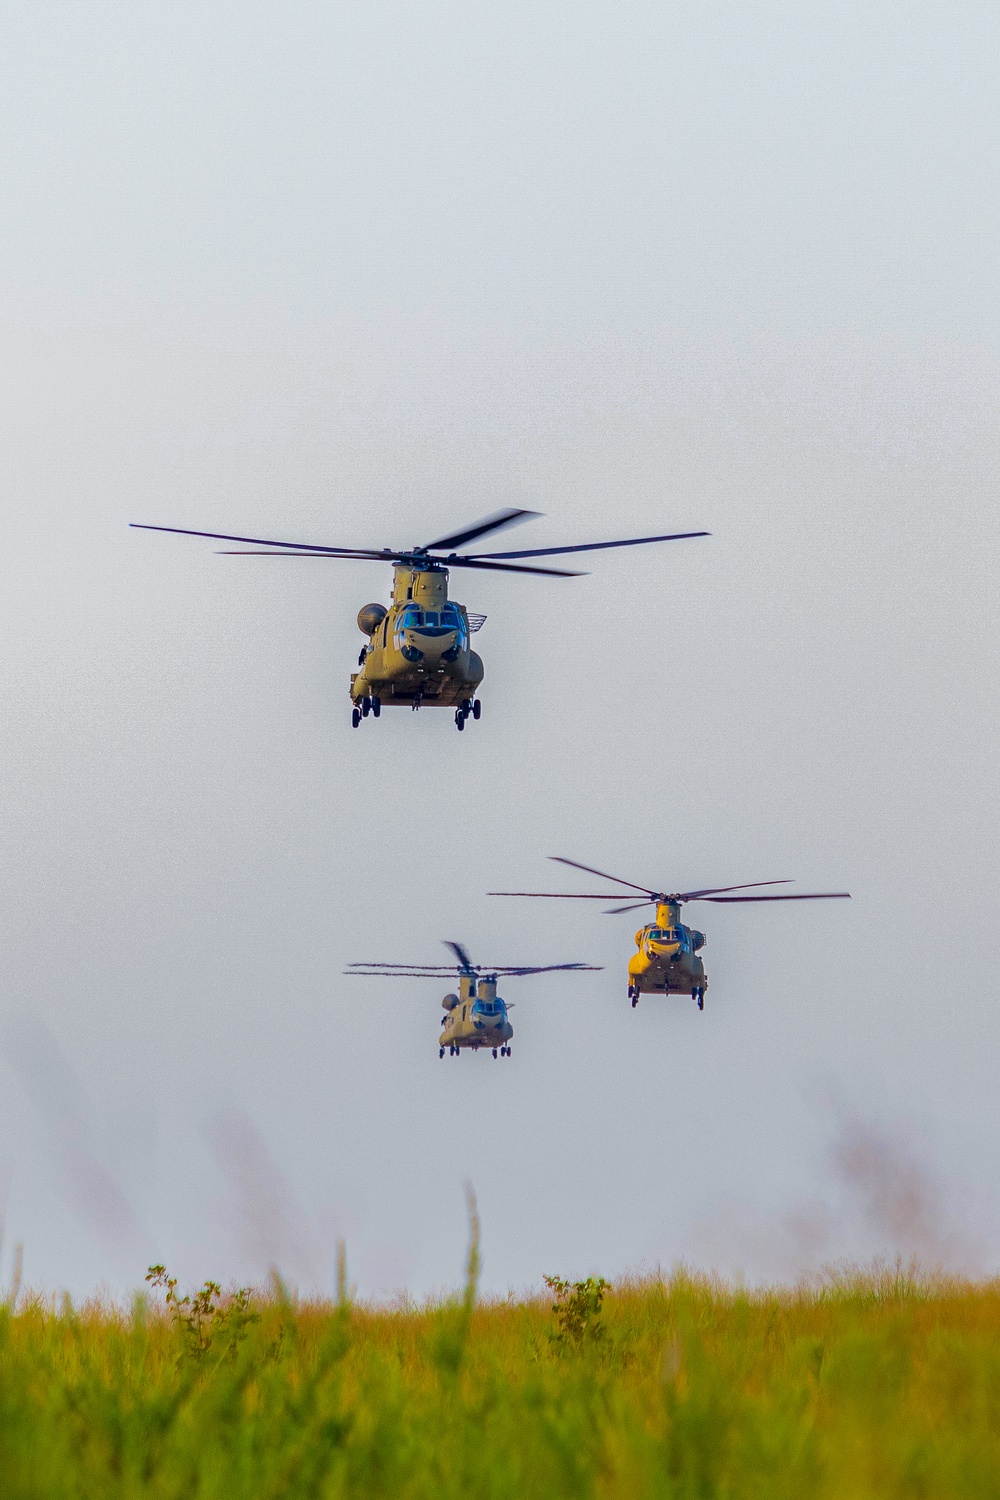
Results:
[499, 567]
[329, 552]
[632, 541]
[460, 954]
[393, 974]
[563, 895]
[616, 878]
[719, 889]
[496, 522]
[258, 541]
[511, 973]
[810, 896]
[614, 911]
[417, 968]
[451, 562]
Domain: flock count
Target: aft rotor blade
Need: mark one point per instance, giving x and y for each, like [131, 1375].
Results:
[718, 889]
[460, 954]
[496, 522]
[614, 911]
[258, 541]
[810, 896]
[616, 878]
[499, 567]
[632, 541]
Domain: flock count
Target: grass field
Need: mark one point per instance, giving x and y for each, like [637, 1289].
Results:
[870, 1385]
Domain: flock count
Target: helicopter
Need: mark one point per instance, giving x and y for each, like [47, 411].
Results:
[667, 962]
[418, 650]
[476, 1017]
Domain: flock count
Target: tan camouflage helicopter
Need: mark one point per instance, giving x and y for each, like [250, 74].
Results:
[418, 650]
[476, 1017]
[667, 962]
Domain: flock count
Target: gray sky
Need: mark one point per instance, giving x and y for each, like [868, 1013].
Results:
[360, 274]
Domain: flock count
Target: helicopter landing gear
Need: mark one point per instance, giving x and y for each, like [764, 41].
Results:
[699, 995]
[633, 994]
[366, 707]
[494, 1052]
[356, 717]
[376, 707]
[468, 708]
[440, 1052]
[504, 1051]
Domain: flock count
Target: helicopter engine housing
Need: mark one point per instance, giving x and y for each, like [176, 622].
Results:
[370, 618]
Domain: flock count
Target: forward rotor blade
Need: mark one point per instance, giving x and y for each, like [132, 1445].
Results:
[258, 541]
[616, 878]
[450, 562]
[563, 895]
[417, 968]
[496, 522]
[460, 954]
[545, 969]
[632, 541]
[499, 567]
[809, 896]
[718, 889]
[614, 911]
[330, 552]
[394, 974]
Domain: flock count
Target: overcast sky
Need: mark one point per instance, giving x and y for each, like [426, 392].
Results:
[359, 274]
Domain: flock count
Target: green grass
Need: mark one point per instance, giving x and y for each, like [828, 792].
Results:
[871, 1385]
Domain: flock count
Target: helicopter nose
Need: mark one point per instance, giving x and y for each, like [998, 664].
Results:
[433, 644]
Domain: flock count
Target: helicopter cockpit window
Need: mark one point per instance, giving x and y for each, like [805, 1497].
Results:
[430, 621]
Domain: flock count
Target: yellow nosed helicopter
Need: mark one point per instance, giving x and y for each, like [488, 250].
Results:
[418, 650]
[667, 962]
[476, 1017]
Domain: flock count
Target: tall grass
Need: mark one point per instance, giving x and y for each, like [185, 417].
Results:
[869, 1385]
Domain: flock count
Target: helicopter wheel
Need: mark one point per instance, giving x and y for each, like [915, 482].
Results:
[366, 707]
[494, 1052]
[356, 717]
[701, 999]
[376, 707]
[459, 720]
[477, 709]
[440, 1052]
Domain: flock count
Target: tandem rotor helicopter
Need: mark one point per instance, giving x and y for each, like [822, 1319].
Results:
[418, 650]
[476, 1017]
[667, 962]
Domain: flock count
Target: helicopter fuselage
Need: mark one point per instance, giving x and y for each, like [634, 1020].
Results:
[476, 1017]
[418, 650]
[667, 961]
